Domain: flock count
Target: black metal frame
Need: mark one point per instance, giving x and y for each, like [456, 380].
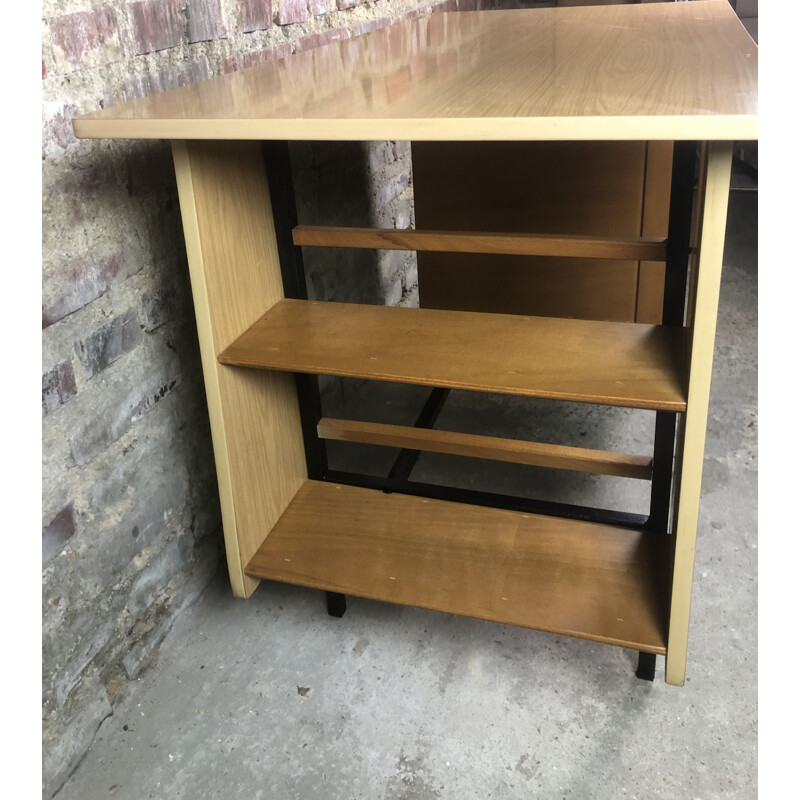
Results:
[279, 174]
[677, 266]
[284, 213]
[406, 460]
[474, 497]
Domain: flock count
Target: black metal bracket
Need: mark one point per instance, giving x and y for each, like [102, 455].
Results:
[337, 604]
[406, 459]
[745, 167]
[646, 668]
[525, 505]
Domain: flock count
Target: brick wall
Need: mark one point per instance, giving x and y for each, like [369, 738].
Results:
[131, 524]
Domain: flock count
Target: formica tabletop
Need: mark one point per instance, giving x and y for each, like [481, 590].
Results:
[623, 72]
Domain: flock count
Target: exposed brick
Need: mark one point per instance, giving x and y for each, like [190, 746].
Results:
[124, 522]
[256, 57]
[379, 155]
[371, 25]
[140, 86]
[342, 4]
[81, 282]
[205, 21]
[156, 25]
[137, 87]
[392, 188]
[58, 532]
[159, 305]
[58, 386]
[402, 219]
[120, 412]
[317, 7]
[255, 15]
[79, 191]
[109, 342]
[183, 74]
[145, 169]
[237, 62]
[57, 133]
[291, 11]
[85, 39]
[282, 51]
[324, 37]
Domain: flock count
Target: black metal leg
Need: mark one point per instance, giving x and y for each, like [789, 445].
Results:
[678, 246]
[646, 670]
[337, 604]
[661, 483]
[284, 212]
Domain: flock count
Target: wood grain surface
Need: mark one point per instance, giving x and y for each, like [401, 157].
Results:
[233, 264]
[516, 451]
[532, 244]
[564, 188]
[611, 363]
[704, 299]
[654, 71]
[655, 222]
[583, 579]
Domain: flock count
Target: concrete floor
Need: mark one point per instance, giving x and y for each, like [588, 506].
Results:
[271, 698]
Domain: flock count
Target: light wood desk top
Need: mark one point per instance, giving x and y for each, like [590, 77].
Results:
[627, 72]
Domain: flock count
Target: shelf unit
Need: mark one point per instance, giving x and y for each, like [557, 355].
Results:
[491, 77]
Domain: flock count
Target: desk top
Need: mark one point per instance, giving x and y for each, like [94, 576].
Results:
[653, 71]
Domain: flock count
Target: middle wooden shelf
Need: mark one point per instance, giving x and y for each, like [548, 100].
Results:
[609, 363]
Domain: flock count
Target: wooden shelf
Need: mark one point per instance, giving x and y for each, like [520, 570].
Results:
[609, 363]
[582, 579]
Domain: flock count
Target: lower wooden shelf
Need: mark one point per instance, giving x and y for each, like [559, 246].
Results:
[581, 579]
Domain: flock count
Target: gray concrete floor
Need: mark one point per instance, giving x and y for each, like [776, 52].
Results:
[270, 698]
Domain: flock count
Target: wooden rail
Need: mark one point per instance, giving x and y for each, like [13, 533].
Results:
[518, 244]
[535, 454]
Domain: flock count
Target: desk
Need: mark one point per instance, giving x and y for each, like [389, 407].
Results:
[673, 72]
